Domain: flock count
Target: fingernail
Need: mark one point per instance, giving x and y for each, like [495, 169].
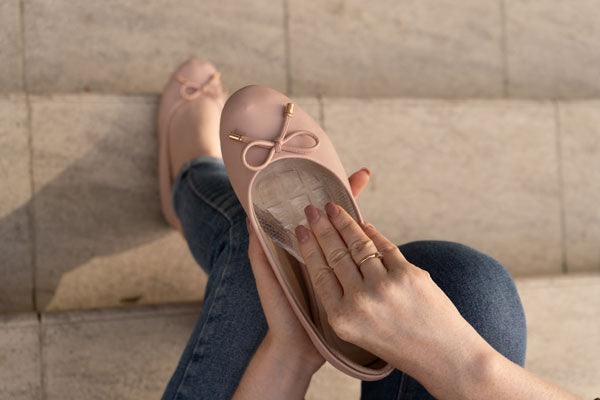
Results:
[301, 233]
[331, 209]
[367, 170]
[367, 225]
[312, 213]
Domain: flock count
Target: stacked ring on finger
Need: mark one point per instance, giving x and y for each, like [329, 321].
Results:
[377, 254]
[343, 245]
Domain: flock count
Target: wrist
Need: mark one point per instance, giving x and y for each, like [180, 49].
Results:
[480, 372]
[292, 358]
[460, 371]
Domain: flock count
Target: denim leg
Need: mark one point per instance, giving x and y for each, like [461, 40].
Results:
[482, 291]
[232, 323]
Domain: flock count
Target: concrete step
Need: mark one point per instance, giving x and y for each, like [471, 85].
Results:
[131, 353]
[428, 48]
[80, 224]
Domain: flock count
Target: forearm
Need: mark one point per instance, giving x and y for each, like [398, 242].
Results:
[275, 373]
[477, 371]
[460, 364]
[504, 379]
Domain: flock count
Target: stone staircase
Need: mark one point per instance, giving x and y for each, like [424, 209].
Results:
[480, 122]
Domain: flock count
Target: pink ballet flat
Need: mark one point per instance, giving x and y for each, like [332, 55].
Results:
[192, 79]
[279, 161]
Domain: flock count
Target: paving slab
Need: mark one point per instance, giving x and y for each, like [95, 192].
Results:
[10, 47]
[563, 325]
[331, 384]
[100, 236]
[311, 105]
[580, 149]
[131, 353]
[104, 353]
[16, 271]
[19, 357]
[484, 173]
[113, 354]
[396, 48]
[132, 46]
[552, 48]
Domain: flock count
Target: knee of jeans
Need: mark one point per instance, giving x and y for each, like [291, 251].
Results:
[459, 260]
[480, 287]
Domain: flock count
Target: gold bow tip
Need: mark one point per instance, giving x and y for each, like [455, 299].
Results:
[289, 109]
[215, 75]
[235, 136]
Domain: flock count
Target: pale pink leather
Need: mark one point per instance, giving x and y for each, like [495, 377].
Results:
[192, 79]
[277, 145]
[257, 113]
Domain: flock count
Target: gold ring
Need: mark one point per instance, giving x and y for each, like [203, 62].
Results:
[376, 254]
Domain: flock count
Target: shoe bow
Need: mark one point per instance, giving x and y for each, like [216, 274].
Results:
[191, 90]
[277, 145]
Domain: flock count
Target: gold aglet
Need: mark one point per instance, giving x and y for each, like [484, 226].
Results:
[289, 109]
[235, 136]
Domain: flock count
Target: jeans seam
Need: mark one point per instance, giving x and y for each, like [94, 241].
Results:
[177, 392]
[401, 388]
[210, 203]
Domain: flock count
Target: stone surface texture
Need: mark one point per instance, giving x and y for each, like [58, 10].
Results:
[10, 47]
[580, 148]
[131, 46]
[330, 384]
[563, 328]
[552, 48]
[396, 48]
[131, 353]
[427, 48]
[101, 238]
[19, 357]
[481, 173]
[127, 354]
[16, 270]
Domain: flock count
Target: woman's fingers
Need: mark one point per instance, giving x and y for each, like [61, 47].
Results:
[334, 249]
[358, 181]
[393, 259]
[323, 278]
[359, 244]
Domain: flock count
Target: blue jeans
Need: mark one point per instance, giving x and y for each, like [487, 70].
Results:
[232, 323]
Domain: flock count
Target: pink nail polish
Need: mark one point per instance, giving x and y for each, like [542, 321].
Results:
[331, 209]
[312, 213]
[301, 233]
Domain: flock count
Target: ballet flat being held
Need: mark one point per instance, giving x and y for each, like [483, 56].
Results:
[385, 305]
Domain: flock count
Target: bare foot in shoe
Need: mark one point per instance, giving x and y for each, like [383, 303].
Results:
[188, 124]
[195, 131]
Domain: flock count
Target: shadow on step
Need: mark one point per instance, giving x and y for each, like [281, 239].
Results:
[89, 206]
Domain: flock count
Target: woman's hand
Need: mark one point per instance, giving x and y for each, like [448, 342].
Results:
[285, 331]
[387, 306]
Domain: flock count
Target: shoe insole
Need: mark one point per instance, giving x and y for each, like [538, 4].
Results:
[280, 193]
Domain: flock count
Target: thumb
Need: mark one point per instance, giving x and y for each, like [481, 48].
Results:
[358, 181]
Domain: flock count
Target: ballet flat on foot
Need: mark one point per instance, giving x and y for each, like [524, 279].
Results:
[192, 79]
